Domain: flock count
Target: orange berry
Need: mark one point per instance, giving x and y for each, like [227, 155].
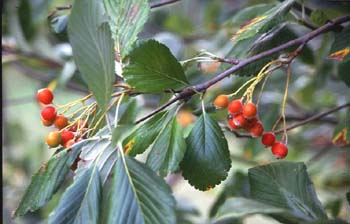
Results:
[235, 107]
[60, 121]
[221, 101]
[53, 139]
[249, 110]
[185, 118]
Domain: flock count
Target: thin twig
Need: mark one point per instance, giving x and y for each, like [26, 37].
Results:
[228, 60]
[202, 87]
[162, 3]
[313, 118]
[33, 55]
[58, 8]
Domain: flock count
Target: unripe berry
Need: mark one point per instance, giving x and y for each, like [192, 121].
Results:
[232, 125]
[249, 110]
[268, 139]
[239, 120]
[66, 136]
[45, 96]
[279, 149]
[221, 101]
[46, 123]
[235, 107]
[53, 139]
[48, 113]
[60, 121]
[257, 130]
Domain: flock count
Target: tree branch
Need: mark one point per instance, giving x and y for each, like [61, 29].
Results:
[313, 118]
[6, 49]
[202, 87]
[162, 3]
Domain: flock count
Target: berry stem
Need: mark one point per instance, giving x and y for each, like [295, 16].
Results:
[285, 135]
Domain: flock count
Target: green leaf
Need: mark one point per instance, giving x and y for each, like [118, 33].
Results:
[46, 181]
[340, 49]
[81, 201]
[127, 18]
[264, 22]
[154, 69]
[207, 158]
[143, 136]
[100, 153]
[238, 207]
[318, 17]
[59, 23]
[237, 185]
[179, 24]
[343, 72]
[341, 133]
[93, 49]
[275, 37]
[139, 195]
[286, 185]
[248, 13]
[168, 149]
[26, 19]
[128, 111]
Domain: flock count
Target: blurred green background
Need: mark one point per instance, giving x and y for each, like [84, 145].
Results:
[35, 52]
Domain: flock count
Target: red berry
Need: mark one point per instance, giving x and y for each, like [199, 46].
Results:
[221, 101]
[69, 143]
[60, 121]
[48, 113]
[232, 125]
[249, 110]
[66, 136]
[45, 96]
[279, 149]
[250, 123]
[46, 123]
[53, 139]
[268, 139]
[239, 120]
[257, 130]
[235, 107]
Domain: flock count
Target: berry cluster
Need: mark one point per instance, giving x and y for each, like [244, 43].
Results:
[245, 117]
[67, 133]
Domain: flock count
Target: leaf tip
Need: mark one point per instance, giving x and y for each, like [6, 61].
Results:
[339, 55]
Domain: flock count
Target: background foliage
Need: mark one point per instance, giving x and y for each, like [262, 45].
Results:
[36, 52]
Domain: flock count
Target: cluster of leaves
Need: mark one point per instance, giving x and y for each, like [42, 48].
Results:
[110, 185]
